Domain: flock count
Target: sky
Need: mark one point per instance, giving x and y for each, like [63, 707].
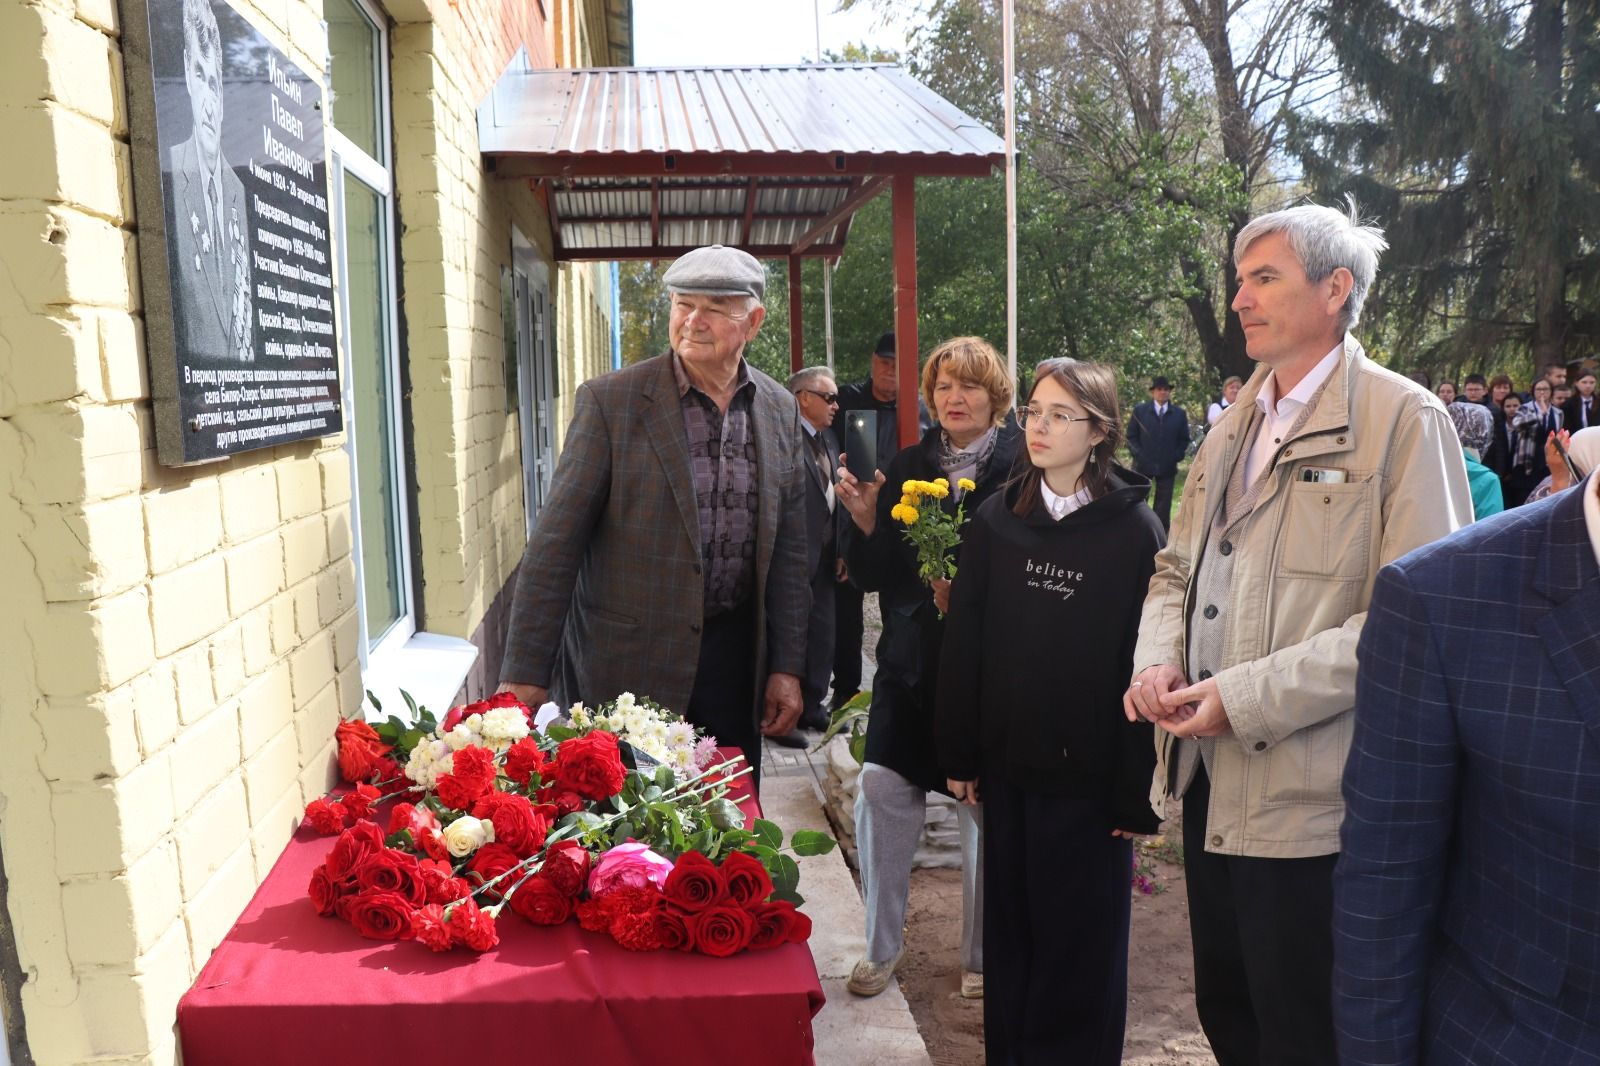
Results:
[723, 32]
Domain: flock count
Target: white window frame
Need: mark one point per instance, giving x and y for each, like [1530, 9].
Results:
[429, 666]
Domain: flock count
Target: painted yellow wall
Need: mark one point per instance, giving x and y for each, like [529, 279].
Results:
[177, 645]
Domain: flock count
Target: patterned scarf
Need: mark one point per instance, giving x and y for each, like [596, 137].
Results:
[971, 462]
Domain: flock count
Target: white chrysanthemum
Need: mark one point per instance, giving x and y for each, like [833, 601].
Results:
[463, 736]
[626, 701]
[506, 724]
[580, 716]
[429, 759]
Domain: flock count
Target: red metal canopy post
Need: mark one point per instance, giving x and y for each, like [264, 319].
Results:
[797, 340]
[905, 305]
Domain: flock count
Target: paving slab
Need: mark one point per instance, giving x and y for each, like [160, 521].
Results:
[881, 1030]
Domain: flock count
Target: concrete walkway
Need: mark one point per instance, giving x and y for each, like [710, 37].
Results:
[879, 1031]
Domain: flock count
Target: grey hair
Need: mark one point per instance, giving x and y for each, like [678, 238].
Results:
[200, 25]
[807, 378]
[1325, 239]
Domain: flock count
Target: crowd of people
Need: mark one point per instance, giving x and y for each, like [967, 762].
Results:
[1377, 718]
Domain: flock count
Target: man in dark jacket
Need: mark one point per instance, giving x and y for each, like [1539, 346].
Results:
[878, 393]
[670, 558]
[1158, 437]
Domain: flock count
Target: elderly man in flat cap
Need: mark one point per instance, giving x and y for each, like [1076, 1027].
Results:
[670, 558]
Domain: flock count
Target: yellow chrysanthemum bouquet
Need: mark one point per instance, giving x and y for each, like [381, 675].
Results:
[932, 530]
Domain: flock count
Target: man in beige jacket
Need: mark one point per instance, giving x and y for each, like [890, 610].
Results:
[1327, 467]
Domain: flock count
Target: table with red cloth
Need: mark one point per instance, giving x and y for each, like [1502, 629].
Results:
[288, 986]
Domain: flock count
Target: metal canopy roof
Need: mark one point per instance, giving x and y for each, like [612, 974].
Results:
[648, 163]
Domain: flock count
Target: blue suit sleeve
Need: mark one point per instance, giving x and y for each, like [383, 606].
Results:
[1400, 787]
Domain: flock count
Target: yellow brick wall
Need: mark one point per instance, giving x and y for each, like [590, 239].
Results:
[178, 644]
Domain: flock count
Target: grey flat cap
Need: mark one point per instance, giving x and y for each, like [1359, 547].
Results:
[717, 271]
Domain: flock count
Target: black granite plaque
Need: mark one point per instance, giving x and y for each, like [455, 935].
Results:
[231, 186]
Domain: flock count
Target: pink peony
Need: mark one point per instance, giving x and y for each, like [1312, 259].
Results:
[630, 865]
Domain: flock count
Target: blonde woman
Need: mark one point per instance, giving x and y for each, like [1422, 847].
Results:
[966, 386]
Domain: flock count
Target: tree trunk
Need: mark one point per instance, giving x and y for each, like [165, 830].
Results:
[1547, 254]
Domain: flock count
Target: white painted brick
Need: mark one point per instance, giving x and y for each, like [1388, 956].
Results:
[314, 724]
[270, 774]
[255, 573]
[266, 708]
[210, 834]
[272, 831]
[227, 661]
[249, 503]
[188, 604]
[89, 553]
[90, 738]
[256, 631]
[299, 487]
[335, 466]
[212, 912]
[346, 639]
[101, 829]
[338, 522]
[90, 647]
[191, 669]
[311, 668]
[284, 636]
[155, 707]
[182, 523]
[305, 548]
[204, 754]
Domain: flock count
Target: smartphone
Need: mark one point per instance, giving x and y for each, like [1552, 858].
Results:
[1561, 450]
[861, 444]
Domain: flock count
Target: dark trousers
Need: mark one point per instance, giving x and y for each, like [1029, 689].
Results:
[820, 646]
[847, 635]
[1263, 949]
[1163, 502]
[1056, 908]
[722, 702]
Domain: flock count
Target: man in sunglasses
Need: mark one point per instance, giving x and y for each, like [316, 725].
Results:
[817, 395]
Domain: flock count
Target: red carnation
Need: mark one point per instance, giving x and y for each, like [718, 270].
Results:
[361, 750]
[672, 928]
[517, 824]
[489, 862]
[325, 817]
[473, 927]
[748, 881]
[566, 866]
[694, 883]
[636, 932]
[541, 902]
[359, 800]
[380, 915]
[509, 699]
[428, 925]
[590, 765]
[524, 759]
[353, 848]
[471, 775]
[722, 930]
[393, 871]
[777, 923]
[324, 891]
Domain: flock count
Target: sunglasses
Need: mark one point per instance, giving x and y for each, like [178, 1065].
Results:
[829, 398]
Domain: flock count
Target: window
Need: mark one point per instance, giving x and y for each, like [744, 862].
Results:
[362, 187]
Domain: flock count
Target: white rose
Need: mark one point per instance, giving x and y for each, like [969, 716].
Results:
[466, 835]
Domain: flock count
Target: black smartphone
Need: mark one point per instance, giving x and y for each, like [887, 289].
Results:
[861, 444]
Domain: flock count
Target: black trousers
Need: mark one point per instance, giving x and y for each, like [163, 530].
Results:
[1163, 502]
[1056, 908]
[1263, 949]
[723, 701]
[847, 635]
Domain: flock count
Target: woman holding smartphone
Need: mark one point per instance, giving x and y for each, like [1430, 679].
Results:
[1038, 648]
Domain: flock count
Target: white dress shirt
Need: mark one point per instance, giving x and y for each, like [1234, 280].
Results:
[827, 493]
[1061, 506]
[1281, 412]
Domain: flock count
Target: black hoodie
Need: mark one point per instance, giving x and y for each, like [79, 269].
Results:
[1038, 650]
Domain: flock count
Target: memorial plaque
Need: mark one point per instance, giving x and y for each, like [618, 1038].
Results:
[231, 186]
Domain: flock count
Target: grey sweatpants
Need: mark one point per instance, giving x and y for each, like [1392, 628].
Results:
[889, 820]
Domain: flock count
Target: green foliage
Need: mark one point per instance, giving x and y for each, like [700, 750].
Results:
[851, 715]
[399, 734]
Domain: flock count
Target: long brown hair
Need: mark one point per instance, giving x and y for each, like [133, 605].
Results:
[1094, 387]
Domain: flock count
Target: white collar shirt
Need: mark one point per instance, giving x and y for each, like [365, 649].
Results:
[827, 482]
[1061, 506]
[1282, 412]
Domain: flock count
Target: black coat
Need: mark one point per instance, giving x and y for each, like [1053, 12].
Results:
[823, 531]
[1158, 444]
[900, 728]
[1038, 650]
[857, 396]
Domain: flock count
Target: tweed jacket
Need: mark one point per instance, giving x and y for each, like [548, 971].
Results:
[1303, 567]
[1466, 912]
[610, 594]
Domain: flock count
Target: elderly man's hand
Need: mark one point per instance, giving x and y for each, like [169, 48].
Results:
[1195, 711]
[1143, 698]
[859, 499]
[532, 695]
[1560, 479]
[783, 705]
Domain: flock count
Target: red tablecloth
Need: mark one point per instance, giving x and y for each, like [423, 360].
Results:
[286, 986]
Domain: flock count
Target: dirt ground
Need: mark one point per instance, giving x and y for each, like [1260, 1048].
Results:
[1162, 1028]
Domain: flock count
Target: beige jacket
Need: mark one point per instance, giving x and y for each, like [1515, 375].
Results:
[1302, 581]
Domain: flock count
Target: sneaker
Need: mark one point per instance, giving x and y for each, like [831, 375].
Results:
[869, 978]
[971, 985]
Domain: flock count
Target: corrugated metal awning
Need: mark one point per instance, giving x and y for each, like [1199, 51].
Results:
[647, 163]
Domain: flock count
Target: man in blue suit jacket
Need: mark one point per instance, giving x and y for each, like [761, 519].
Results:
[1467, 894]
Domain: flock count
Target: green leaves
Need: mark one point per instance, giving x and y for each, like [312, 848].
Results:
[812, 842]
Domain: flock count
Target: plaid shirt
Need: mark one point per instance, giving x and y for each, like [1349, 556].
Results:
[722, 454]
